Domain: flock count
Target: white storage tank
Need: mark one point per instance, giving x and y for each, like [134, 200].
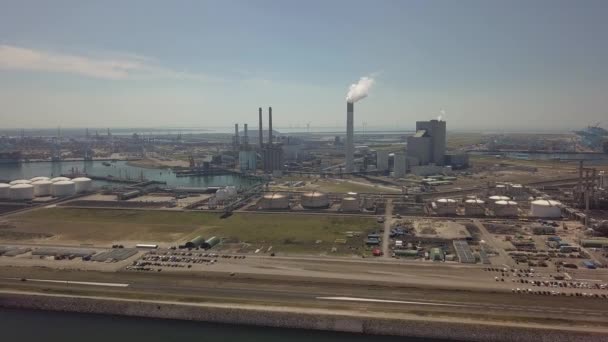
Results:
[546, 208]
[474, 207]
[505, 208]
[314, 200]
[42, 187]
[500, 189]
[221, 195]
[20, 181]
[21, 192]
[35, 179]
[83, 184]
[231, 191]
[350, 204]
[274, 200]
[59, 179]
[4, 190]
[446, 206]
[63, 188]
[516, 189]
[496, 198]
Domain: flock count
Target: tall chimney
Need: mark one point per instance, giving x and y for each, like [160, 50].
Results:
[270, 125]
[350, 144]
[236, 135]
[261, 133]
[246, 137]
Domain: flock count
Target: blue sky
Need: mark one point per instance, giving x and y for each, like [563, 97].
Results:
[494, 65]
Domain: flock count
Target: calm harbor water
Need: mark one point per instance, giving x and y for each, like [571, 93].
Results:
[117, 169]
[26, 325]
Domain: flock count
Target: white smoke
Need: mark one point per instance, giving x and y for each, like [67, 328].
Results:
[359, 90]
[441, 114]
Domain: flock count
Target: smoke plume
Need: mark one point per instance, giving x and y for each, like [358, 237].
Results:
[359, 90]
[441, 114]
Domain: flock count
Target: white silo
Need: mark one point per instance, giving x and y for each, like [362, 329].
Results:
[500, 189]
[20, 181]
[546, 208]
[59, 179]
[42, 187]
[63, 188]
[474, 207]
[496, 198]
[505, 208]
[39, 178]
[350, 204]
[4, 190]
[83, 184]
[21, 192]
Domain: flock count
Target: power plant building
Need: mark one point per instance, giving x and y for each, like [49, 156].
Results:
[382, 160]
[427, 145]
[399, 165]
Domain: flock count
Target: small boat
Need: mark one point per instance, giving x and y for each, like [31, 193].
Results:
[106, 164]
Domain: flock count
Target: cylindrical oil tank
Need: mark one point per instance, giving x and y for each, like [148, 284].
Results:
[35, 179]
[516, 189]
[221, 195]
[20, 181]
[474, 207]
[314, 200]
[446, 206]
[496, 198]
[350, 204]
[83, 184]
[42, 187]
[59, 179]
[4, 190]
[505, 208]
[21, 192]
[274, 200]
[546, 208]
[63, 188]
[352, 194]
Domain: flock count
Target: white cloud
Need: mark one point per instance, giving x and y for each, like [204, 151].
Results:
[120, 67]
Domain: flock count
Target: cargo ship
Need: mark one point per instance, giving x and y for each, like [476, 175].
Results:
[10, 157]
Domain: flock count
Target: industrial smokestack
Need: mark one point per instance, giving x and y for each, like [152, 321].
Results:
[236, 135]
[260, 131]
[270, 125]
[246, 136]
[350, 144]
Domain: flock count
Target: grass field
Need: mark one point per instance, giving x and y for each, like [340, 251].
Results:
[284, 232]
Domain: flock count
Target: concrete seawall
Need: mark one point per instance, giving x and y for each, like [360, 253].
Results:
[292, 318]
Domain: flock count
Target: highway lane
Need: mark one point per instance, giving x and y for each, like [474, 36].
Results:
[318, 294]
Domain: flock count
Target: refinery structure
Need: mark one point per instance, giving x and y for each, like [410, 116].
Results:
[510, 209]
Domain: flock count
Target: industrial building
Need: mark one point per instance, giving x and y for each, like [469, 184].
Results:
[382, 160]
[427, 145]
[399, 165]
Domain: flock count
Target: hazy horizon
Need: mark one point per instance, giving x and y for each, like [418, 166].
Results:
[492, 66]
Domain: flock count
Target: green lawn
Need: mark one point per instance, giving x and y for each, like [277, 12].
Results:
[287, 233]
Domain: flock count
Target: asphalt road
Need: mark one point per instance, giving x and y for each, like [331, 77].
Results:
[307, 293]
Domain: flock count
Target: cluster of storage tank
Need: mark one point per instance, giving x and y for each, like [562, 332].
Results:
[28, 189]
[445, 206]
